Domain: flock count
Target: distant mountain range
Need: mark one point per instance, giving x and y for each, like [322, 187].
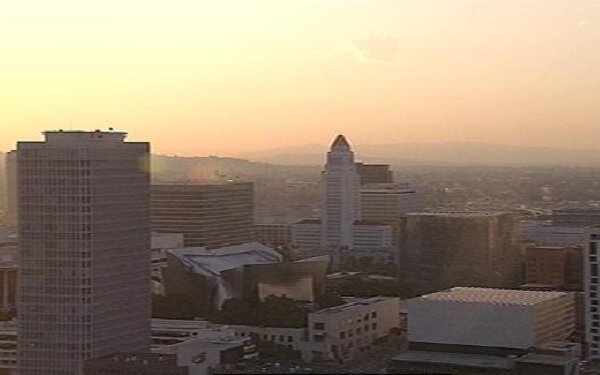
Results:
[448, 153]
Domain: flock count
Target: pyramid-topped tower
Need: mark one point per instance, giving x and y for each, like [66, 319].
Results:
[341, 196]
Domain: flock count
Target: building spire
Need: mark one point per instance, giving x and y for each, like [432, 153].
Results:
[340, 144]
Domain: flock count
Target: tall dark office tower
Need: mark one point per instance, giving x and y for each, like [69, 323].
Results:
[84, 239]
[208, 215]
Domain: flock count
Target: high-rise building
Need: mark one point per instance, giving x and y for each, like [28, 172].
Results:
[592, 289]
[208, 215]
[341, 196]
[476, 248]
[374, 173]
[84, 244]
[10, 203]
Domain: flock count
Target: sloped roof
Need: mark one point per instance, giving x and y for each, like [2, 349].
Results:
[215, 261]
[340, 143]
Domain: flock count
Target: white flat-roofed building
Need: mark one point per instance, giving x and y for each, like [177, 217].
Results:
[338, 333]
[500, 318]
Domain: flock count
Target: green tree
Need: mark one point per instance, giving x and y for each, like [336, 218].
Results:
[329, 299]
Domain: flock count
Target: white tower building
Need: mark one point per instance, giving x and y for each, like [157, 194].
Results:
[84, 246]
[341, 196]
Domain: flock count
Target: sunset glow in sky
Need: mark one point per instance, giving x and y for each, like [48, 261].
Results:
[199, 77]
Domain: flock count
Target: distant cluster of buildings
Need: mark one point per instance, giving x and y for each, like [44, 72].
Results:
[508, 296]
[360, 207]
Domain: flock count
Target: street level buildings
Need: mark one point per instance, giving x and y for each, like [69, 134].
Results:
[84, 246]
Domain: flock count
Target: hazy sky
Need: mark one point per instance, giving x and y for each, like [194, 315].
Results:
[224, 77]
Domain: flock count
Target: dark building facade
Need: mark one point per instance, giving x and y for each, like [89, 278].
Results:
[210, 280]
[208, 215]
[561, 267]
[445, 249]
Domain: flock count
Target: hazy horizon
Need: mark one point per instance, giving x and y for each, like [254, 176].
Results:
[231, 77]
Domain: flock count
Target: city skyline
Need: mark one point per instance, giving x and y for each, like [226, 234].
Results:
[293, 73]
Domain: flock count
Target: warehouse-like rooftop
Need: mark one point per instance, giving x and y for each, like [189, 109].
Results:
[493, 296]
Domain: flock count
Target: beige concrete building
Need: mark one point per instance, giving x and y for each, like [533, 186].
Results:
[497, 318]
[340, 333]
[208, 215]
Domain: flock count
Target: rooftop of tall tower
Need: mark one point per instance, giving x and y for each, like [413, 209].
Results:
[65, 136]
[340, 143]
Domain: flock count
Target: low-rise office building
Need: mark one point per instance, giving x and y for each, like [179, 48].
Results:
[339, 333]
